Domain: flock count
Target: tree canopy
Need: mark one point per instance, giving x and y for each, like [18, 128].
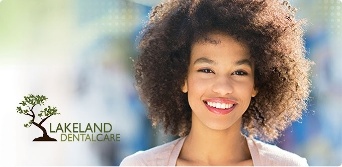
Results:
[29, 102]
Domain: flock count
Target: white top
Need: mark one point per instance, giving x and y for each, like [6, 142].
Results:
[263, 154]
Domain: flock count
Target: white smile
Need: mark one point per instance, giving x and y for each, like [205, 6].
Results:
[220, 105]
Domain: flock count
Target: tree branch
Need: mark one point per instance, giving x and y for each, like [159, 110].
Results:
[43, 120]
[31, 109]
[33, 115]
[28, 114]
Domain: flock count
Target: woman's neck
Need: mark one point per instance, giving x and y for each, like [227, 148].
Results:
[204, 146]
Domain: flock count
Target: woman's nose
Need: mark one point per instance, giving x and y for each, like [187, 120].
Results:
[223, 85]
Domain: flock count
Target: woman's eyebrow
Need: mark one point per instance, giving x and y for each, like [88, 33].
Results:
[209, 61]
[244, 62]
[204, 60]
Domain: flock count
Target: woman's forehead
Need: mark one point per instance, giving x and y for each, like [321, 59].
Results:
[215, 37]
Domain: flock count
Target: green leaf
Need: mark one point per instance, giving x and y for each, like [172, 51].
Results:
[28, 124]
[19, 110]
[25, 111]
[23, 103]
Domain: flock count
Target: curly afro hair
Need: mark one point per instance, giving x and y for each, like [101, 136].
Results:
[270, 30]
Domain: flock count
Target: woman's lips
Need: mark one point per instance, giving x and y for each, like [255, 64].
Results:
[220, 106]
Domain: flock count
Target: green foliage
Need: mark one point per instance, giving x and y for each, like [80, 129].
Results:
[49, 111]
[34, 100]
[29, 102]
[28, 124]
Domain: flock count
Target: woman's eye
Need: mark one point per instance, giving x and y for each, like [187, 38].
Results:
[206, 71]
[240, 73]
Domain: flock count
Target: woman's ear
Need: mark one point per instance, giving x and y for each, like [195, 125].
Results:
[185, 87]
[254, 92]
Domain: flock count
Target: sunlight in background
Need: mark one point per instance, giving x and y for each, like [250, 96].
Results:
[77, 54]
[10, 80]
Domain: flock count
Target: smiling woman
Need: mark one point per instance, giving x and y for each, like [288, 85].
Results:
[221, 80]
[220, 74]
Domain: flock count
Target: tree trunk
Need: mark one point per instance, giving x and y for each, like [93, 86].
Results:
[45, 136]
[41, 128]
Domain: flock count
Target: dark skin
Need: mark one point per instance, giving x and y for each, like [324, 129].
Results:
[225, 74]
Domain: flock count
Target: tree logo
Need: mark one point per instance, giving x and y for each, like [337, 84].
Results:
[26, 107]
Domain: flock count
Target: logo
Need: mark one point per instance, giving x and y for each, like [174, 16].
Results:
[72, 132]
[26, 108]
[69, 132]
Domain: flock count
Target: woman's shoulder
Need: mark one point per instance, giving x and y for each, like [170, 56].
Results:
[268, 154]
[156, 156]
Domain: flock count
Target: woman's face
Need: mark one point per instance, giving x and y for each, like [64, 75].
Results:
[220, 81]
